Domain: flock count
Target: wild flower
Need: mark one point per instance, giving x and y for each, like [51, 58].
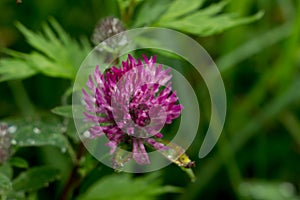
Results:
[130, 105]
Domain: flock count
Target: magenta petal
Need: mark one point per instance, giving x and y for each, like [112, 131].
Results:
[139, 153]
[131, 101]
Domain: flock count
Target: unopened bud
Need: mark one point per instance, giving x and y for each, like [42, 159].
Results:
[109, 33]
[5, 143]
[107, 28]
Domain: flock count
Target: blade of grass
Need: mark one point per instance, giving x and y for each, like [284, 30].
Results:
[276, 78]
[209, 169]
[254, 46]
[292, 124]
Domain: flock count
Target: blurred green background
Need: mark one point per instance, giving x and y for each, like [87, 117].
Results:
[257, 156]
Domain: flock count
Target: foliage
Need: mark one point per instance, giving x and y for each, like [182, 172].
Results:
[124, 187]
[204, 22]
[55, 55]
[257, 55]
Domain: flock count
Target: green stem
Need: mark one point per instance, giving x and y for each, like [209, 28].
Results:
[22, 100]
[72, 153]
[127, 12]
[74, 178]
[64, 101]
[64, 98]
[130, 10]
[121, 10]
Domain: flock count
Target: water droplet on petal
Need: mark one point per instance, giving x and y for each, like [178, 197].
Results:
[12, 129]
[36, 130]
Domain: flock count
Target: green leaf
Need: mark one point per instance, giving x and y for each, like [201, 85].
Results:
[15, 68]
[150, 11]
[213, 9]
[35, 178]
[207, 21]
[18, 162]
[64, 111]
[55, 54]
[5, 184]
[37, 133]
[127, 188]
[68, 111]
[268, 190]
[16, 195]
[181, 7]
[6, 169]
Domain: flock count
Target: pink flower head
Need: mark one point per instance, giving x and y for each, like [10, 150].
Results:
[131, 104]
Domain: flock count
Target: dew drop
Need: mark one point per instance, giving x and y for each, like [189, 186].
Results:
[13, 142]
[36, 130]
[63, 150]
[63, 129]
[12, 129]
[86, 134]
[30, 141]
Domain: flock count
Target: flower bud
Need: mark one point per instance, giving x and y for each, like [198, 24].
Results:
[107, 28]
[5, 143]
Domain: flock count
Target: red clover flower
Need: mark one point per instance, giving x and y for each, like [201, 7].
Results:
[130, 105]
